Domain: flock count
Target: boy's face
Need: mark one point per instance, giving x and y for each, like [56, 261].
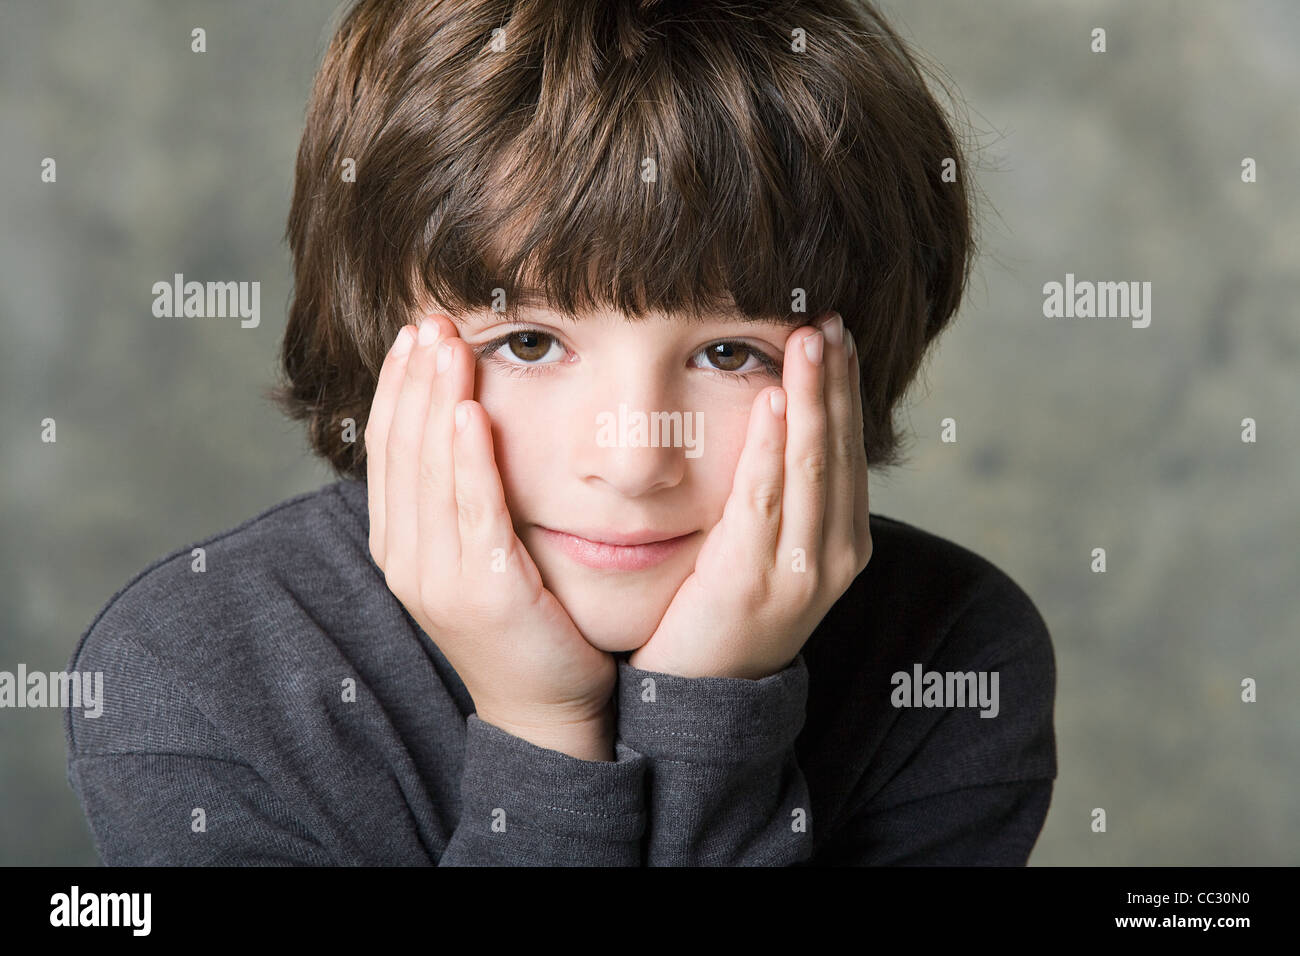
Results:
[564, 398]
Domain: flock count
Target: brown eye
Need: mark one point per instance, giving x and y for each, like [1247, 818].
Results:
[728, 356]
[730, 360]
[529, 346]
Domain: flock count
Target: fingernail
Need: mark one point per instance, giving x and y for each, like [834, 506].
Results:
[812, 347]
[833, 328]
[853, 346]
[462, 417]
[428, 331]
[444, 356]
[402, 344]
[776, 400]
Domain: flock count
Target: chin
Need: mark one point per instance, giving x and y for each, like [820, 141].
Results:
[617, 613]
[622, 616]
[614, 636]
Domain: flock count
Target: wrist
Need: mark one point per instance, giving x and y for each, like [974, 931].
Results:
[590, 739]
[646, 660]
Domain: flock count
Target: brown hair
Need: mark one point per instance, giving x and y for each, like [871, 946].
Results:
[671, 156]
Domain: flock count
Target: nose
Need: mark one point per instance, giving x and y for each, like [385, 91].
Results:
[633, 435]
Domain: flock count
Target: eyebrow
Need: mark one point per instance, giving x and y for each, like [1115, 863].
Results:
[791, 320]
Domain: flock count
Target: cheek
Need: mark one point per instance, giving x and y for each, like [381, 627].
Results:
[519, 438]
[715, 470]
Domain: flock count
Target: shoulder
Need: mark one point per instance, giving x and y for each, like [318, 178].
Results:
[200, 616]
[927, 605]
[946, 596]
[211, 579]
[927, 613]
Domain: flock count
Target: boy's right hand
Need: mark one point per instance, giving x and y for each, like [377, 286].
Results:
[441, 533]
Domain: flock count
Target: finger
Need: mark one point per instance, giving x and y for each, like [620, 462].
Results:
[439, 539]
[842, 446]
[753, 512]
[806, 458]
[402, 461]
[861, 498]
[487, 537]
[378, 422]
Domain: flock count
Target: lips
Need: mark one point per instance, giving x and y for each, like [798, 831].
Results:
[617, 551]
[622, 539]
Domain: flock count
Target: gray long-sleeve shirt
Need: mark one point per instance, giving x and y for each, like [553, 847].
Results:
[270, 701]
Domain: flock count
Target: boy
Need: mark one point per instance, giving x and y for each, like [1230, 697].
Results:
[624, 296]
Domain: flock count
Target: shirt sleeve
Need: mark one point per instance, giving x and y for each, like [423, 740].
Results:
[725, 786]
[524, 806]
[161, 786]
[166, 809]
[527, 805]
[946, 786]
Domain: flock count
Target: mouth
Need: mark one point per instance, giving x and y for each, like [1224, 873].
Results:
[617, 551]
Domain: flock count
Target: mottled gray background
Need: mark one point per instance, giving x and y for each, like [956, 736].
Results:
[1072, 434]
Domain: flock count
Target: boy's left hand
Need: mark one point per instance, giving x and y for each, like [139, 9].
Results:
[794, 533]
